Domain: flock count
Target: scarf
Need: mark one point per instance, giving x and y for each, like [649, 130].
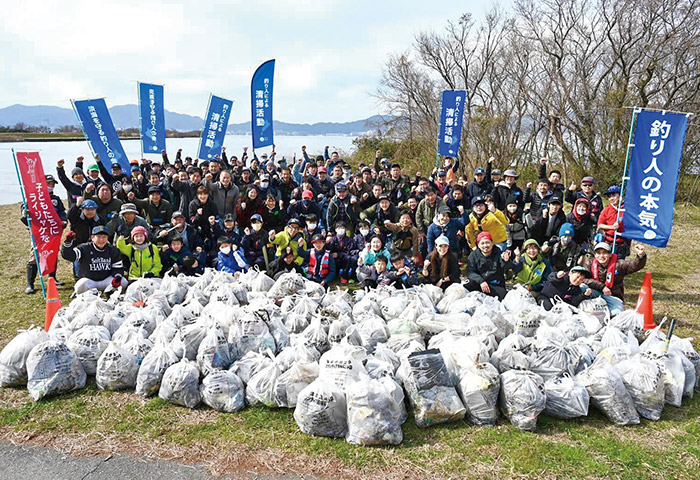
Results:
[532, 271]
[610, 271]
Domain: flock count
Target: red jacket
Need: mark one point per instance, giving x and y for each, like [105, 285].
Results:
[608, 216]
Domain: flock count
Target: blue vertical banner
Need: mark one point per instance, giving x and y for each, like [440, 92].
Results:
[261, 104]
[152, 117]
[450, 128]
[100, 132]
[655, 163]
[215, 125]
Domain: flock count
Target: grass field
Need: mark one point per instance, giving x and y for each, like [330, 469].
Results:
[259, 440]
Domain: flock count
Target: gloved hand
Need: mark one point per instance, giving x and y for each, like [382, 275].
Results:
[116, 281]
[71, 236]
[121, 229]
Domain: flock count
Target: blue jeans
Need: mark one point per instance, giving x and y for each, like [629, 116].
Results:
[614, 304]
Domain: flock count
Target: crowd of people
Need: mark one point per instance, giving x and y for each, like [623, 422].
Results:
[333, 222]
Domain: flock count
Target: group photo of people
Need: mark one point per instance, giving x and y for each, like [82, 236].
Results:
[343, 224]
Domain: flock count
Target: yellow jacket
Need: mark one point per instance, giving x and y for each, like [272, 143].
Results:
[493, 222]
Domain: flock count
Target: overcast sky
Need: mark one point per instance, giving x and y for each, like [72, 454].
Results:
[330, 54]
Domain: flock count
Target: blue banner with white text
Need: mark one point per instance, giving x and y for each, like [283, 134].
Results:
[215, 125]
[261, 104]
[653, 176]
[100, 132]
[152, 116]
[450, 129]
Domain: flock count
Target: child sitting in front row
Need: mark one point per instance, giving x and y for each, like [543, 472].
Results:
[321, 265]
[230, 259]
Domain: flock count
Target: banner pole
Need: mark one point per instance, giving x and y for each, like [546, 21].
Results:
[138, 94]
[625, 177]
[437, 144]
[29, 223]
[204, 125]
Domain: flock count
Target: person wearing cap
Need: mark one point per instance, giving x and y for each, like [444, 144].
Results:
[187, 188]
[82, 218]
[360, 190]
[481, 185]
[255, 239]
[56, 200]
[341, 208]
[582, 221]
[566, 286]
[284, 264]
[323, 184]
[304, 208]
[320, 266]
[444, 225]
[441, 267]
[381, 212]
[139, 182]
[551, 221]
[74, 185]
[244, 179]
[489, 219]
[496, 177]
[291, 237]
[191, 238]
[507, 188]
[439, 179]
[250, 204]
[566, 253]
[93, 177]
[609, 223]
[517, 227]
[114, 176]
[107, 206]
[157, 211]
[587, 191]
[127, 219]
[144, 257]
[531, 269]
[99, 263]
[226, 228]
[486, 267]
[608, 272]
[398, 186]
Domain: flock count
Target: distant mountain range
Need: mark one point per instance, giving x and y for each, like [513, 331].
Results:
[127, 116]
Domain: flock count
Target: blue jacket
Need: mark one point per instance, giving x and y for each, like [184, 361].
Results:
[231, 263]
[449, 230]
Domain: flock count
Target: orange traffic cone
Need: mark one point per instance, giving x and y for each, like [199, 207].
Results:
[53, 302]
[645, 305]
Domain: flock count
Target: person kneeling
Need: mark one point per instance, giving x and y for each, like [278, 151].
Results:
[144, 257]
[402, 275]
[531, 269]
[566, 287]
[99, 263]
[441, 268]
[321, 266]
[230, 259]
[284, 264]
[486, 268]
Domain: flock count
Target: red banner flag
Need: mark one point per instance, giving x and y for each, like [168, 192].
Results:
[47, 226]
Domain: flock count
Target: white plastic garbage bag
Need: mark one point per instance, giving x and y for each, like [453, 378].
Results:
[522, 398]
[153, 367]
[293, 381]
[374, 416]
[223, 390]
[117, 368]
[13, 358]
[213, 353]
[608, 392]
[321, 410]
[566, 398]
[180, 384]
[478, 388]
[52, 368]
[261, 387]
[88, 343]
[644, 380]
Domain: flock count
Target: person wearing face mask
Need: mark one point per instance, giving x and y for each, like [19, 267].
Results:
[566, 286]
[552, 219]
[255, 239]
[229, 259]
[582, 221]
[291, 237]
[305, 208]
[338, 245]
[486, 219]
[123, 193]
[531, 269]
[357, 244]
[566, 252]
[312, 228]
[587, 191]
[144, 257]
[516, 228]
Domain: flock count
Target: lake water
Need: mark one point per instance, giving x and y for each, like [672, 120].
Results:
[51, 152]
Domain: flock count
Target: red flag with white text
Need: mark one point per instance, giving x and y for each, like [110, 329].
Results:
[47, 226]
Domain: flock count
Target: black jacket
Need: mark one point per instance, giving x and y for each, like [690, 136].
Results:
[94, 263]
[491, 269]
[81, 225]
[562, 288]
[542, 230]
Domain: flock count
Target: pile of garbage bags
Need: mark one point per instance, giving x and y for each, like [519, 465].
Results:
[354, 365]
